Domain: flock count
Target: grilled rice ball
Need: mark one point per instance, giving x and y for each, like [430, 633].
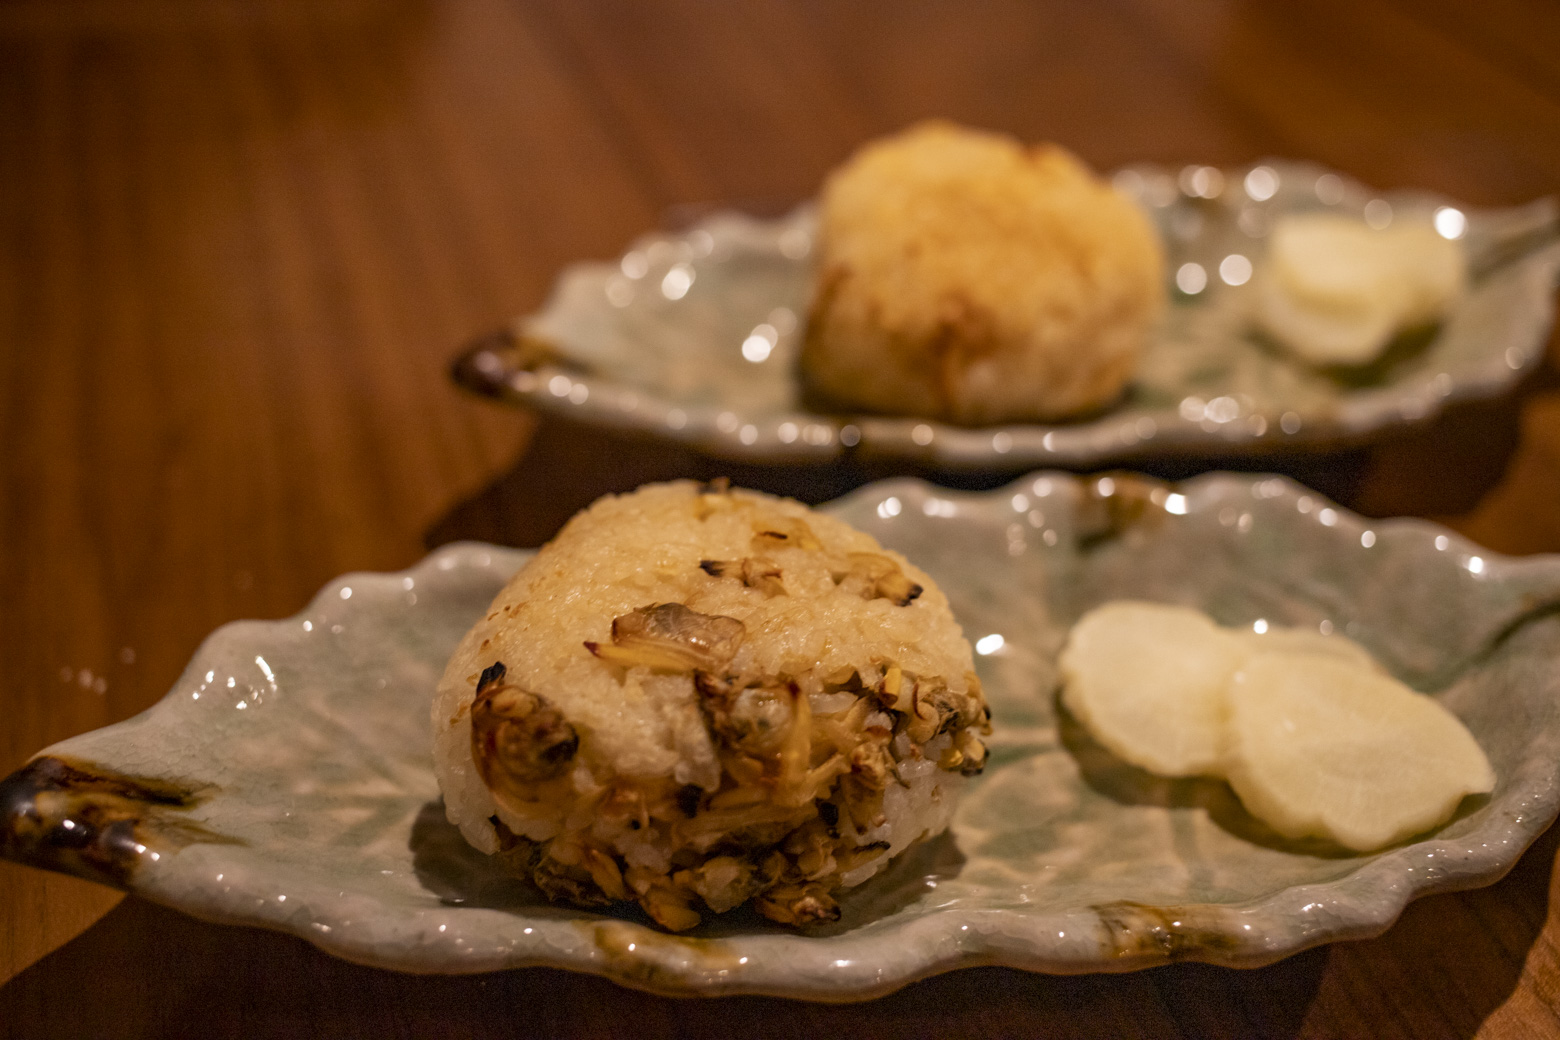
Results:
[697, 697]
[965, 277]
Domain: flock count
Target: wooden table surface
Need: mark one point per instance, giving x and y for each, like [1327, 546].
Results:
[239, 242]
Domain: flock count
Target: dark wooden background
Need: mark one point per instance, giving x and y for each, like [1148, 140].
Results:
[239, 242]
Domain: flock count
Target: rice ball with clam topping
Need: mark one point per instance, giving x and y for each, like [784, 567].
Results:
[695, 697]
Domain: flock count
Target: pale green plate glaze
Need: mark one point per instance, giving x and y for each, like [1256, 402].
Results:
[285, 781]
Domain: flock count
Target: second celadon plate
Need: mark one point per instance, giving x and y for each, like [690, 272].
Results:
[286, 780]
[692, 337]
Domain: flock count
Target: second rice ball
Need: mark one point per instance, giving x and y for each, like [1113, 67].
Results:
[965, 277]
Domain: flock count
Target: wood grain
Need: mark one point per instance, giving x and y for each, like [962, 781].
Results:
[239, 242]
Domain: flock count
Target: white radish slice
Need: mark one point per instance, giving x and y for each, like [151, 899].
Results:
[1436, 269]
[1326, 336]
[1308, 641]
[1148, 681]
[1329, 290]
[1336, 291]
[1322, 747]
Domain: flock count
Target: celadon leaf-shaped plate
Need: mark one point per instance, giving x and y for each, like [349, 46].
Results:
[286, 780]
[693, 336]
